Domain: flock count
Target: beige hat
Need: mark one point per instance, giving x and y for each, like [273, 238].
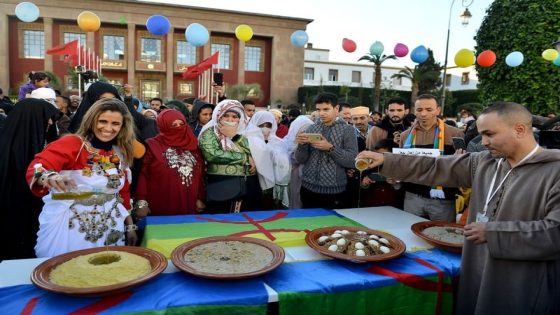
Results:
[359, 111]
[277, 113]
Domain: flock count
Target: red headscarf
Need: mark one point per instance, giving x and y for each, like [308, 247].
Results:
[179, 137]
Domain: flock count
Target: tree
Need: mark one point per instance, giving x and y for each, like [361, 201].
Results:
[414, 76]
[528, 26]
[377, 60]
[430, 80]
[424, 77]
[344, 90]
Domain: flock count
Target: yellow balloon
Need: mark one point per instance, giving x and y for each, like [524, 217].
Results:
[244, 32]
[550, 54]
[89, 21]
[464, 58]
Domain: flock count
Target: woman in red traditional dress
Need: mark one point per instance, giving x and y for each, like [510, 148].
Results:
[172, 178]
[84, 180]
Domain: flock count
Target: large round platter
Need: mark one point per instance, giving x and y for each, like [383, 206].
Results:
[178, 256]
[41, 273]
[418, 229]
[398, 246]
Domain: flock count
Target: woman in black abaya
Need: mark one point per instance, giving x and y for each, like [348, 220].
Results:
[25, 134]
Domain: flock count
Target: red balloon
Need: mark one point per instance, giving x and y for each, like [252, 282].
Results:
[486, 58]
[348, 45]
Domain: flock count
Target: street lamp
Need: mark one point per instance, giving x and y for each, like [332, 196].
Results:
[465, 18]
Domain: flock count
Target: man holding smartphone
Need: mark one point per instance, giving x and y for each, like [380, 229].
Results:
[391, 126]
[325, 161]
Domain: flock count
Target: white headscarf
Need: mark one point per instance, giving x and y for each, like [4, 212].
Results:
[299, 124]
[46, 94]
[281, 166]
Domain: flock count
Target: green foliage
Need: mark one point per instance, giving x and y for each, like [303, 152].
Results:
[528, 26]
[474, 108]
[344, 90]
[430, 71]
[54, 81]
[244, 91]
[466, 96]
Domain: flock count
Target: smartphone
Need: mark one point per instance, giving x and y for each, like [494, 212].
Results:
[219, 78]
[459, 143]
[313, 136]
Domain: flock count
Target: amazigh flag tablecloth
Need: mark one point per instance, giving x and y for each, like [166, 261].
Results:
[307, 283]
[169, 293]
[286, 228]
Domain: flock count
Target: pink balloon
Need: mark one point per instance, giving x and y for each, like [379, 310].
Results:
[400, 50]
[348, 45]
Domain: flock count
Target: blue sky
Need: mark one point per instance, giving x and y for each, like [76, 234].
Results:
[412, 22]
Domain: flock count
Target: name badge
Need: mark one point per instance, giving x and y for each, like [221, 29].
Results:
[481, 218]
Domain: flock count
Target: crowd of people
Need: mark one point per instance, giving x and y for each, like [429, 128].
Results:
[85, 172]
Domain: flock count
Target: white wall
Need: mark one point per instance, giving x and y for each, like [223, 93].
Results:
[318, 60]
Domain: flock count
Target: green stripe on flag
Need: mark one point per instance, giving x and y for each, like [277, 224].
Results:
[209, 309]
[395, 299]
[310, 223]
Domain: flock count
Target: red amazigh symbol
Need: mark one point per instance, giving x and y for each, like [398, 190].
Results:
[30, 306]
[257, 224]
[102, 305]
[417, 282]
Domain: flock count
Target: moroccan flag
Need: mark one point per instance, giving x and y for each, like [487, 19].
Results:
[70, 48]
[194, 71]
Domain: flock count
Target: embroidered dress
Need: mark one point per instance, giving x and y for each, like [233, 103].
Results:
[88, 221]
[172, 174]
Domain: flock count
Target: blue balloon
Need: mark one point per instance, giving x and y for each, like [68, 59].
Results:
[299, 38]
[419, 54]
[376, 49]
[197, 34]
[556, 61]
[158, 25]
[27, 12]
[514, 59]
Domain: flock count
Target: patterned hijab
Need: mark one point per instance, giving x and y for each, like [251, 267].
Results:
[222, 108]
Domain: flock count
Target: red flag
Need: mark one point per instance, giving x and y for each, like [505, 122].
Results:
[70, 48]
[194, 71]
[208, 62]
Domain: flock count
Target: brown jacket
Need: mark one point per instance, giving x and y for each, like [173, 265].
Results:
[517, 271]
[425, 139]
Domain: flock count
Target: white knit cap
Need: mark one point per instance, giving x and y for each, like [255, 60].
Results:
[46, 94]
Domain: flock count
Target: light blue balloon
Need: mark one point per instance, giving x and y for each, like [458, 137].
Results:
[158, 25]
[376, 49]
[27, 12]
[556, 61]
[197, 34]
[419, 54]
[299, 38]
[514, 59]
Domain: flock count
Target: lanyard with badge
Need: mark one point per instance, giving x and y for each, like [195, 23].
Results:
[483, 217]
